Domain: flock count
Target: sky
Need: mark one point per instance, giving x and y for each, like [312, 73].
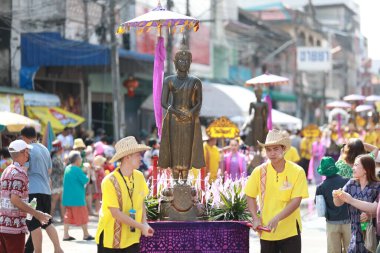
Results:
[370, 20]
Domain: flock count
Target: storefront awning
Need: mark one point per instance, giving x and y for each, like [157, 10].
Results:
[58, 118]
[51, 49]
[282, 96]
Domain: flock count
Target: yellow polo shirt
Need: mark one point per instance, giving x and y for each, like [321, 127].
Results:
[305, 147]
[276, 197]
[212, 158]
[109, 199]
[371, 138]
[292, 155]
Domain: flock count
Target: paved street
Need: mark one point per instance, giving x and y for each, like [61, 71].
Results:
[313, 234]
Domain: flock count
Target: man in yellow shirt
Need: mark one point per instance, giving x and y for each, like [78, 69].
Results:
[306, 146]
[292, 155]
[212, 158]
[370, 136]
[281, 186]
[123, 215]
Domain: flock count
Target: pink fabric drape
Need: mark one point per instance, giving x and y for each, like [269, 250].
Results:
[269, 119]
[158, 75]
[339, 117]
[318, 151]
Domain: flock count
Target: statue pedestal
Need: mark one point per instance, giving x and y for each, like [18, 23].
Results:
[180, 204]
[198, 236]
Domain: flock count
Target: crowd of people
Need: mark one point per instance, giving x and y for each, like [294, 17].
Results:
[74, 177]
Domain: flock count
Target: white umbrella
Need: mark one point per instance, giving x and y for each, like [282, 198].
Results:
[354, 97]
[338, 104]
[15, 122]
[344, 116]
[268, 80]
[363, 108]
[372, 98]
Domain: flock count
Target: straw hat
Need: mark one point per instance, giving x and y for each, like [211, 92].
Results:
[78, 143]
[327, 167]
[127, 146]
[276, 137]
[99, 160]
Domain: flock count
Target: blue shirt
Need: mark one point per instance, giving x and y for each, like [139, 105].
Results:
[39, 164]
[74, 181]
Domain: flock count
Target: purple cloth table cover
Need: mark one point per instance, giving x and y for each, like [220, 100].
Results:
[196, 237]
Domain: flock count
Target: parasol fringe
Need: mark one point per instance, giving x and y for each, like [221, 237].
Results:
[196, 27]
[140, 31]
[120, 30]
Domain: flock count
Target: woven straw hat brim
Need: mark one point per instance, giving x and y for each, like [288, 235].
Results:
[99, 161]
[79, 146]
[120, 154]
[283, 142]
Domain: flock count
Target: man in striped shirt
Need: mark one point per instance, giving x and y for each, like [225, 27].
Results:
[14, 195]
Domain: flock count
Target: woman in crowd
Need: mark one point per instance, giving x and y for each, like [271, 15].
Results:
[56, 176]
[74, 197]
[366, 187]
[318, 150]
[98, 165]
[350, 151]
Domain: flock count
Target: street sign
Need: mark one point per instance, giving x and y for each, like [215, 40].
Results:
[313, 59]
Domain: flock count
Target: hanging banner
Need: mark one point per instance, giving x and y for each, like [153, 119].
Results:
[12, 103]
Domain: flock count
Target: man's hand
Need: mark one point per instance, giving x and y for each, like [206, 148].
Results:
[42, 217]
[255, 223]
[272, 224]
[147, 230]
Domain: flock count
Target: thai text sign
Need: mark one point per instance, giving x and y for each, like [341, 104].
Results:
[223, 128]
[313, 59]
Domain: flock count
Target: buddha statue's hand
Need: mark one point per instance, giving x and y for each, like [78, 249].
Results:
[187, 114]
[177, 113]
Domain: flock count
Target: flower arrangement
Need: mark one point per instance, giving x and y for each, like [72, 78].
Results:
[223, 200]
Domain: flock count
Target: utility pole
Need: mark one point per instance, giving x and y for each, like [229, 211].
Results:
[85, 10]
[169, 43]
[187, 32]
[118, 106]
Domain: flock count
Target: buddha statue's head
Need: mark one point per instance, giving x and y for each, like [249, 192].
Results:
[258, 93]
[183, 58]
